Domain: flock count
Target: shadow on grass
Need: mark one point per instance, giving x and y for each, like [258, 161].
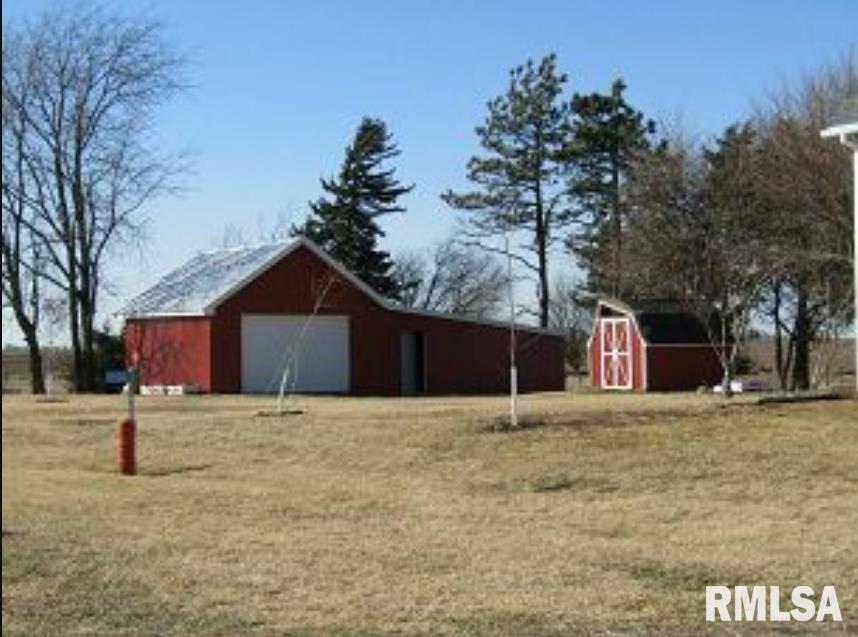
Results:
[86, 422]
[501, 424]
[554, 483]
[51, 400]
[278, 414]
[610, 419]
[171, 471]
[550, 484]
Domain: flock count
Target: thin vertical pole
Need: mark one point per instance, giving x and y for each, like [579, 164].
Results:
[133, 381]
[853, 144]
[513, 371]
[132, 388]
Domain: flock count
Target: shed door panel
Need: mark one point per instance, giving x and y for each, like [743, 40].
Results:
[616, 353]
[315, 350]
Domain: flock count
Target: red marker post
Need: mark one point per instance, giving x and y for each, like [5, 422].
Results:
[126, 428]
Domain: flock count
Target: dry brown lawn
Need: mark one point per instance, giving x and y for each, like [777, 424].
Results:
[607, 516]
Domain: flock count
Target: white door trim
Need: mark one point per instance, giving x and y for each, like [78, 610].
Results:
[614, 356]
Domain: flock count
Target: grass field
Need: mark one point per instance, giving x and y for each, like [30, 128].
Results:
[608, 516]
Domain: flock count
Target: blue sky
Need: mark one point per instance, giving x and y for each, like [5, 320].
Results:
[279, 87]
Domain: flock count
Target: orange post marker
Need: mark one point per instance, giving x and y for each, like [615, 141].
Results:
[126, 452]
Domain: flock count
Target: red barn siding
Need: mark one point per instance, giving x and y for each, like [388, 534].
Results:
[461, 357]
[638, 360]
[682, 367]
[472, 358]
[171, 350]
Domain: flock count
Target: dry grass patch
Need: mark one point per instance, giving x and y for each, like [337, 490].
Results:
[413, 517]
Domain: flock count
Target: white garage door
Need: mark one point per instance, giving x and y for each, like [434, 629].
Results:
[316, 350]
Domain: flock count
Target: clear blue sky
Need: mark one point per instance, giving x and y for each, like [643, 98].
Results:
[279, 88]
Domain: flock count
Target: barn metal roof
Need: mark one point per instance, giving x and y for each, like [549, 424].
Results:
[664, 321]
[193, 287]
[209, 278]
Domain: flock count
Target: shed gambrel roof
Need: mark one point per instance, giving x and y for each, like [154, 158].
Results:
[209, 278]
[663, 322]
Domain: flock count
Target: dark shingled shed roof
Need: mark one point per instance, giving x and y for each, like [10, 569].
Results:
[665, 321]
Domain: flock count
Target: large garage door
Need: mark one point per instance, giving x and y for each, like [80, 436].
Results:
[316, 350]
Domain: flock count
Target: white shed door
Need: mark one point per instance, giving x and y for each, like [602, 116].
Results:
[616, 353]
[314, 348]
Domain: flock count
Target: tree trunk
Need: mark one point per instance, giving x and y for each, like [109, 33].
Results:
[84, 248]
[781, 366]
[87, 347]
[12, 267]
[802, 338]
[543, 282]
[542, 256]
[29, 328]
[617, 229]
[74, 335]
[37, 374]
[728, 354]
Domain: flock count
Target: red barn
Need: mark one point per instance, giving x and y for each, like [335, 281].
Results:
[233, 320]
[650, 346]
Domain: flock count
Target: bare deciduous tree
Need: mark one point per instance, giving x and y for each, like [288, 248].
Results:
[697, 235]
[454, 279]
[571, 312]
[21, 257]
[86, 85]
[806, 187]
[276, 229]
[760, 222]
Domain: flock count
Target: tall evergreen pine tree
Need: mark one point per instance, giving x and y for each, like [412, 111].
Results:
[608, 134]
[521, 180]
[345, 223]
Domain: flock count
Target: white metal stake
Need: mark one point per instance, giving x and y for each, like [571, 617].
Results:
[843, 132]
[513, 371]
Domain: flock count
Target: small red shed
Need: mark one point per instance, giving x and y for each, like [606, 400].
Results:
[233, 320]
[650, 346]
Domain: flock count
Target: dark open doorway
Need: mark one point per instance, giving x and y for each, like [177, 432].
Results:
[413, 363]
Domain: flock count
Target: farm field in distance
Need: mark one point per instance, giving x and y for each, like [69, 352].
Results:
[607, 515]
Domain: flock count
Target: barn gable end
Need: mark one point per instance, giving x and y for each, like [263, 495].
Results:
[293, 286]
